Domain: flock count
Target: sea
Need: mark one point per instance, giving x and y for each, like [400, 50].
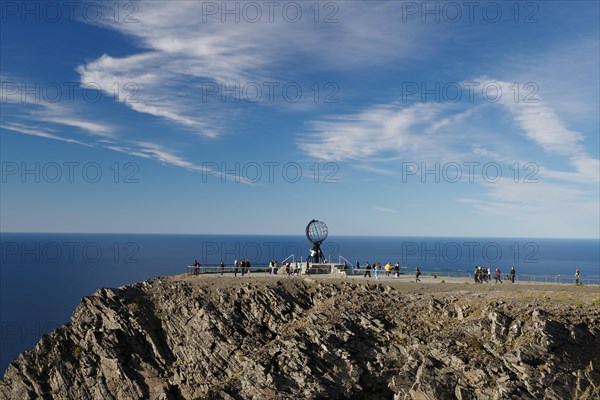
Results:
[44, 276]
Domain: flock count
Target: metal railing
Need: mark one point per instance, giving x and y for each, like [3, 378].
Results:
[425, 274]
[469, 276]
[216, 269]
[585, 280]
[347, 263]
[288, 257]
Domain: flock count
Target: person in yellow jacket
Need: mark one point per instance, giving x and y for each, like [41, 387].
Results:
[388, 269]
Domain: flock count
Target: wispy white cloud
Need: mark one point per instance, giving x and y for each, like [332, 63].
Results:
[385, 210]
[146, 150]
[430, 131]
[539, 121]
[451, 120]
[369, 168]
[37, 131]
[58, 122]
[376, 133]
[183, 49]
[543, 126]
[94, 128]
[40, 110]
[163, 155]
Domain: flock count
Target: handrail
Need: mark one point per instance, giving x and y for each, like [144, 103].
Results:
[341, 257]
[216, 269]
[529, 278]
[532, 278]
[287, 258]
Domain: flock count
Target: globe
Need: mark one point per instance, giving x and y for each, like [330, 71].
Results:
[316, 231]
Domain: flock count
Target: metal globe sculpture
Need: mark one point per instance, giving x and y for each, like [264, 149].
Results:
[316, 233]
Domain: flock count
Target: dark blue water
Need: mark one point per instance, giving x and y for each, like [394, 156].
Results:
[44, 276]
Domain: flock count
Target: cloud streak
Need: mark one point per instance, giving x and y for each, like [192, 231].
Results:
[543, 126]
[378, 132]
[181, 50]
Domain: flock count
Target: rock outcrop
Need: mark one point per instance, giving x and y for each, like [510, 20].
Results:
[294, 338]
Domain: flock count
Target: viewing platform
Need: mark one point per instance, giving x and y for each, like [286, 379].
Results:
[337, 270]
[313, 269]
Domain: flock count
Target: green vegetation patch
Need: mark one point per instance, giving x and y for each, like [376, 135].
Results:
[77, 351]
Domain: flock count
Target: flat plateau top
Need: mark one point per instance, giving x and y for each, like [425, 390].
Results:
[457, 287]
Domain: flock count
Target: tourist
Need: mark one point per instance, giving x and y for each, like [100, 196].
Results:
[498, 279]
[512, 274]
[235, 268]
[367, 270]
[388, 269]
[417, 275]
[243, 267]
[397, 270]
[577, 281]
[222, 268]
[298, 268]
[489, 274]
[248, 266]
[357, 266]
[376, 270]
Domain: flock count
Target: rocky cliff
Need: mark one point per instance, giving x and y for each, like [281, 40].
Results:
[295, 338]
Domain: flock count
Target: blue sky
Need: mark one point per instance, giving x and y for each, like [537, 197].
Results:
[129, 116]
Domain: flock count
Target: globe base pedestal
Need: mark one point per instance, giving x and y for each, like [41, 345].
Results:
[318, 257]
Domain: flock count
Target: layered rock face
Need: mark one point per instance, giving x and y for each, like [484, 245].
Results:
[295, 338]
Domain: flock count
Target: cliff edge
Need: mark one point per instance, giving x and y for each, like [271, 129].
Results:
[294, 338]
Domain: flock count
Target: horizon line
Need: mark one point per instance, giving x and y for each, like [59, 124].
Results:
[290, 234]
